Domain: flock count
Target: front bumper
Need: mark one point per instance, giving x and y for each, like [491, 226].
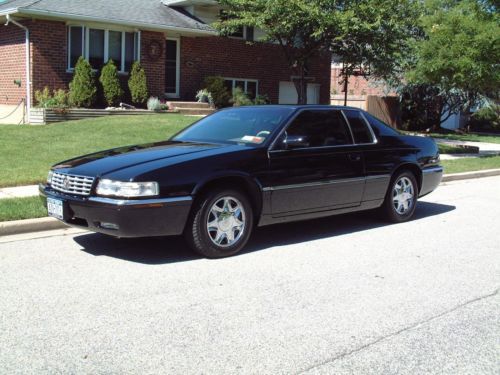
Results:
[128, 218]
[431, 178]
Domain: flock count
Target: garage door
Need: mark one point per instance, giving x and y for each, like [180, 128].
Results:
[288, 93]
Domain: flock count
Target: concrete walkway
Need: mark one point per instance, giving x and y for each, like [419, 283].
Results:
[19, 192]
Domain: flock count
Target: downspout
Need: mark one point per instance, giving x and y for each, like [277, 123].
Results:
[28, 63]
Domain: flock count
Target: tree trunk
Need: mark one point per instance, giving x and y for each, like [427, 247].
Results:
[301, 87]
[346, 85]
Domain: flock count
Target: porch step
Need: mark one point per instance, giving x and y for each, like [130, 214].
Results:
[180, 105]
[195, 111]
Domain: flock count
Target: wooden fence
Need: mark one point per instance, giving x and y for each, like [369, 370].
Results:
[386, 108]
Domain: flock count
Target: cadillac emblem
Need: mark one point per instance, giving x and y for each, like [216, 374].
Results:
[66, 183]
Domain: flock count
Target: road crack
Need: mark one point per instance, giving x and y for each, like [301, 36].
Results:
[397, 333]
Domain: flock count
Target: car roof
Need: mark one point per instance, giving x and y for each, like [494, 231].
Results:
[300, 106]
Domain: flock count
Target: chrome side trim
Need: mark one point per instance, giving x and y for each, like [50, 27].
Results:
[314, 184]
[379, 177]
[124, 202]
[437, 169]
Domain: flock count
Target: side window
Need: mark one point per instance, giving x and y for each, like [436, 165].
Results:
[359, 127]
[320, 128]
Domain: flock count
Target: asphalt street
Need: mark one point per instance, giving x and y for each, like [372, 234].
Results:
[342, 295]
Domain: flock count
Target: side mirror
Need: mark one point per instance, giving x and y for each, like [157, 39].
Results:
[295, 141]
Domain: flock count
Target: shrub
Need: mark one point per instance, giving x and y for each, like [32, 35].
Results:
[220, 94]
[111, 84]
[138, 85]
[45, 99]
[204, 96]
[82, 89]
[240, 99]
[486, 119]
[261, 100]
[154, 104]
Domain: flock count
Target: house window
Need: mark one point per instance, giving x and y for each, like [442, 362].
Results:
[248, 86]
[76, 42]
[98, 46]
[243, 32]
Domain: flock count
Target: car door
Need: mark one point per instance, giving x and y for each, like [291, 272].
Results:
[314, 165]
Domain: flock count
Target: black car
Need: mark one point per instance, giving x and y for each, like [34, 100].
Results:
[242, 167]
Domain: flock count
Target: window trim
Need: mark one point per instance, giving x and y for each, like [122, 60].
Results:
[86, 42]
[175, 94]
[271, 148]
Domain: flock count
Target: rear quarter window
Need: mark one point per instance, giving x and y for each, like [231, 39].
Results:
[359, 127]
[379, 127]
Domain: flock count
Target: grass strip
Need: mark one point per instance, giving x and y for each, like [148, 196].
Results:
[470, 164]
[21, 208]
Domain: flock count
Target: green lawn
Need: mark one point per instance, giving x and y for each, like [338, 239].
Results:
[468, 137]
[470, 164]
[27, 152]
[21, 208]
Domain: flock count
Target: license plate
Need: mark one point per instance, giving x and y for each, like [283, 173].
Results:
[55, 208]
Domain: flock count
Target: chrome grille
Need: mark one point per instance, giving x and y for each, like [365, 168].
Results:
[72, 184]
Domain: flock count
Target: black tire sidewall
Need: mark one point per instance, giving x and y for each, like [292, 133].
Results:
[389, 209]
[197, 234]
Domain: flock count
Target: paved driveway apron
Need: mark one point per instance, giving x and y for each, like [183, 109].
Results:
[339, 295]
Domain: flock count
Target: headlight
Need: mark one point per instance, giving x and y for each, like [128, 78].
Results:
[127, 189]
[49, 176]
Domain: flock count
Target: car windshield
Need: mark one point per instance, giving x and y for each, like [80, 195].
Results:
[250, 125]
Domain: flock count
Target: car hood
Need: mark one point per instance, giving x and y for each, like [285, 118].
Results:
[108, 161]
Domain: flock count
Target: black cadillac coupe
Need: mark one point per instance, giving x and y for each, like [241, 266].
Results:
[244, 167]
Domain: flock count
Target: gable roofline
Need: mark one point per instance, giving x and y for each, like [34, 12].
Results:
[76, 17]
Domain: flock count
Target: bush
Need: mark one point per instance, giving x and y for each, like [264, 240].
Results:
[261, 100]
[204, 96]
[138, 85]
[240, 99]
[220, 94]
[45, 99]
[486, 119]
[111, 84]
[154, 104]
[82, 89]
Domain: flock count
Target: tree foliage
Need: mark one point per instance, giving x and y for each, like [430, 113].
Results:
[82, 89]
[110, 82]
[137, 84]
[461, 48]
[302, 29]
[364, 33]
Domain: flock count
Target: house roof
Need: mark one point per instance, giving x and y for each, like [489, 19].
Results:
[149, 14]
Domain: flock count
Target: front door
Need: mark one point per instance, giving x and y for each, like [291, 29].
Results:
[324, 172]
[172, 67]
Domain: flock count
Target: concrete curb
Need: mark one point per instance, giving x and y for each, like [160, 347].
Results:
[470, 175]
[31, 225]
[49, 223]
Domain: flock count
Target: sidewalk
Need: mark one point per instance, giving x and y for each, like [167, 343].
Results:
[19, 192]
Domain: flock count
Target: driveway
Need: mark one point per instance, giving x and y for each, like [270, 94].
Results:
[347, 294]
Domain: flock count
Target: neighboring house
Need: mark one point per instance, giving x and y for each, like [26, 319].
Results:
[172, 39]
[358, 84]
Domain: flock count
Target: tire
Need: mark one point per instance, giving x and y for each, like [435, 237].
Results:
[401, 198]
[220, 224]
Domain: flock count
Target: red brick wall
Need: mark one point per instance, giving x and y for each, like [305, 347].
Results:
[49, 55]
[12, 64]
[357, 85]
[154, 68]
[228, 57]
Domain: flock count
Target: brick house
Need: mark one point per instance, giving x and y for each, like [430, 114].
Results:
[172, 39]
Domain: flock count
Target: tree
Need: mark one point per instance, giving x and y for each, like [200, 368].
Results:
[137, 84]
[82, 89]
[302, 29]
[460, 54]
[110, 82]
[376, 38]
